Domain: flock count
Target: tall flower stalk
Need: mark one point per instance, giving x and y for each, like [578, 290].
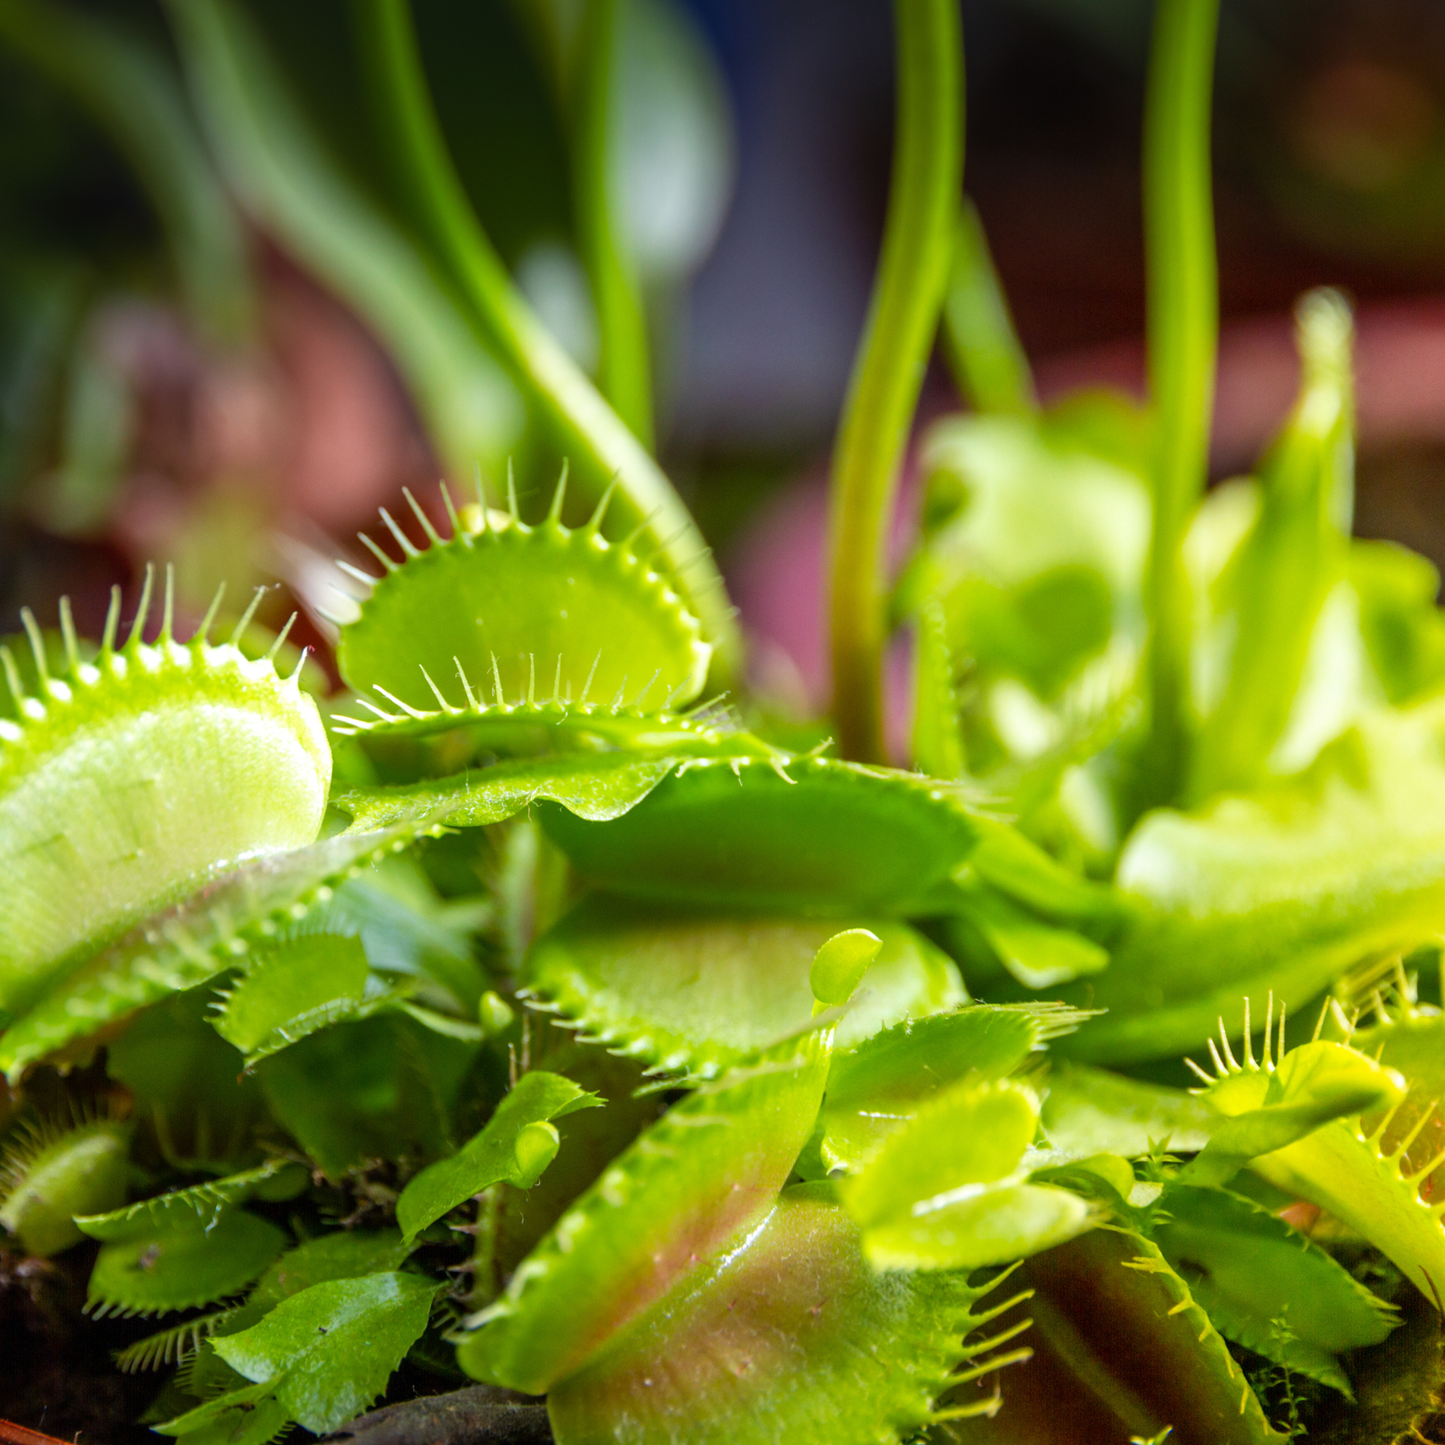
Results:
[918, 249]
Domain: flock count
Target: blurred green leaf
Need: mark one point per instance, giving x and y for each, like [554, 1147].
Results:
[1036, 550]
[1311, 1085]
[1278, 890]
[876, 1087]
[1267, 1286]
[291, 991]
[1289, 562]
[378, 1088]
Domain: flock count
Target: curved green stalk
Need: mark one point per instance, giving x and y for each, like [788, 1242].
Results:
[600, 447]
[137, 101]
[888, 374]
[979, 341]
[624, 372]
[1183, 336]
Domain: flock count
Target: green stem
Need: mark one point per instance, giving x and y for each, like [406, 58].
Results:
[484, 1247]
[979, 341]
[624, 373]
[600, 447]
[1183, 335]
[888, 373]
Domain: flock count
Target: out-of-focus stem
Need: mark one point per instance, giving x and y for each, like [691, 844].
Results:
[979, 341]
[888, 374]
[624, 372]
[1183, 336]
[600, 447]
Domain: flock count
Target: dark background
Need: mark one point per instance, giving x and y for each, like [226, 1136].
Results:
[1330, 168]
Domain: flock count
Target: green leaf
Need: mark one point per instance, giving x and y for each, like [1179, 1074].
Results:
[1402, 628]
[187, 1084]
[1042, 554]
[991, 1123]
[379, 1088]
[1038, 954]
[405, 929]
[1370, 1188]
[198, 1207]
[494, 1155]
[839, 965]
[346, 1254]
[880, 1084]
[708, 1171]
[518, 609]
[291, 991]
[1278, 581]
[331, 1349]
[984, 352]
[175, 1268]
[1012, 864]
[251, 1415]
[805, 835]
[1003, 1223]
[1277, 891]
[788, 1336]
[1089, 1111]
[701, 992]
[937, 743]
[596, 786]
[1249, 1269]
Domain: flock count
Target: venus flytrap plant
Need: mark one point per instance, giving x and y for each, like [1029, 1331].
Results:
[572, 1033]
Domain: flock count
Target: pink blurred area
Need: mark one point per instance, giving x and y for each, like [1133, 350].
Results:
[777, 572]
[303, 434]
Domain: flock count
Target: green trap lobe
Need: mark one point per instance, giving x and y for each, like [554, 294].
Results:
[1260, 1270]
[699, 992]
[180, 1268]
[709, 1171]
[595, 786]
[812, 835]
[191, 942]
[524, 612]
[1121, 1352]
[149, 772]
[786, 1335]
